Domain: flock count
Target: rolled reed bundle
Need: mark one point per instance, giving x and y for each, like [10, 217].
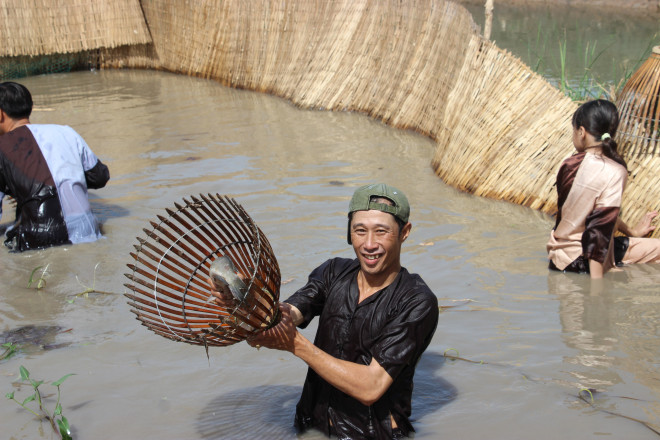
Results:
[170, 289]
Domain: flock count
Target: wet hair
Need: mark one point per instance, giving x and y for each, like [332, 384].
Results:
[15, 100]
[599, 117]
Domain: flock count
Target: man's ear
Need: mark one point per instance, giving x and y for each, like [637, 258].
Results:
[3, 120]
[405, 231]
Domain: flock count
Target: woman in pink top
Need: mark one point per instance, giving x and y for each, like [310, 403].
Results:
[590, 185]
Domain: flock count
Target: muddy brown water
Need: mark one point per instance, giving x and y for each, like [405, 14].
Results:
[541, 336]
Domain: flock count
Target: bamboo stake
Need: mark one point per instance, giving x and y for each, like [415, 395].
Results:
[488, 25]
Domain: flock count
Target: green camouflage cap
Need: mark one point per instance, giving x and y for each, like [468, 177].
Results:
[362, 201]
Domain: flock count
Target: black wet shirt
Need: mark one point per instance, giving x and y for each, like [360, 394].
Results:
[26, 175]
[393, 326]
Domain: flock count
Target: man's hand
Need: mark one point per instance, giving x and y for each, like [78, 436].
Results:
[366, 383]
[279, 337]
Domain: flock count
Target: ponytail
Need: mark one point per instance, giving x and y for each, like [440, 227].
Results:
[609, 147]
[600, 118]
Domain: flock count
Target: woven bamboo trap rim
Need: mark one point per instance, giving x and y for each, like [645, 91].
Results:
[170, 292]
[639, 109]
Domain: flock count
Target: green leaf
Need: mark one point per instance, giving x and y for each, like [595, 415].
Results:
[29, 399]
[58, 410]
[65, 432]
[25, 374]
[36, 384]
[10, 396]
[10, 350]
[58, 382]
[32, 275]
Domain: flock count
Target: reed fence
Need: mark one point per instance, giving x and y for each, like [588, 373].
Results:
[500, 129]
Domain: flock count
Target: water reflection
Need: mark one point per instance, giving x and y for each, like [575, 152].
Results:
[613, 326]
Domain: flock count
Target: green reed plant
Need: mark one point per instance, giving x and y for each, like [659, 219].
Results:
[57, 421]
[10, 349]
[585, 87]
[577, 76]
[85, 293]
[38, 280]
[41, 280]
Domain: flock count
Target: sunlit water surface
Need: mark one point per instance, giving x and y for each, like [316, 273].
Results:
[536, 338]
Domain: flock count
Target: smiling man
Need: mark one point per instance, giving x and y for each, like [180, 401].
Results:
[375, 321]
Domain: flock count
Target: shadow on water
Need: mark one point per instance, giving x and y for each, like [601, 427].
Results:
[431, 391]
[105, 211]
[32, 338]
[267, 411]
[260, 412]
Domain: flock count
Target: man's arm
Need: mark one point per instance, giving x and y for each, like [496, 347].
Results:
[97, 176]
[365, 383]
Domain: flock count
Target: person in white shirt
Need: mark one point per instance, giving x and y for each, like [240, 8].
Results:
[47, 169]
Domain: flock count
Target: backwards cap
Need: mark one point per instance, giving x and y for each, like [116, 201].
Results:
[362, 201]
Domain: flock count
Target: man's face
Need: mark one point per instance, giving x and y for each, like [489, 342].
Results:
[377, 241]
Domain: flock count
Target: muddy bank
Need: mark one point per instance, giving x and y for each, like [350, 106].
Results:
[622, 7]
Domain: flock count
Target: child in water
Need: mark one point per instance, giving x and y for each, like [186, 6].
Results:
[590, 186]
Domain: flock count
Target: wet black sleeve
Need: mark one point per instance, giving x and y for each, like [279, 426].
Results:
[311, 298]
[97, 176]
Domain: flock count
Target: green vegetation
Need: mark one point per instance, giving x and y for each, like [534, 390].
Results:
[10, 349]
[578, 77]
[41, 281]
[588, 85]
[85, 293]
[57, 421]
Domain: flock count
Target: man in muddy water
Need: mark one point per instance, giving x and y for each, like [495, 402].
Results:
[375, 321]
[47, 169]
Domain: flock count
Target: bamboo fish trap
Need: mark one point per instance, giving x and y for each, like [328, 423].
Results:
[170, 291]
[639, 109]
[639, 138]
